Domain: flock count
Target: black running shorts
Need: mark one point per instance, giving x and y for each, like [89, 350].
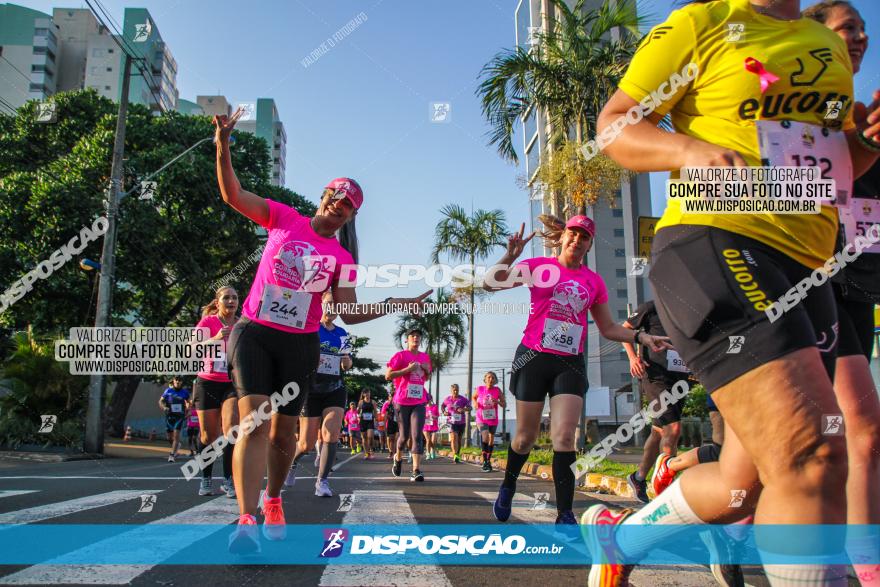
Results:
[210, 395]
[263, 360]
[316, 403]
[536, 374]
[490, 428]
[173, 422]
[652, 390]
[856, 326]
[712, 288]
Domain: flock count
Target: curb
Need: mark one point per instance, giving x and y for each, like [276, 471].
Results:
[594, 482]
[38, 457]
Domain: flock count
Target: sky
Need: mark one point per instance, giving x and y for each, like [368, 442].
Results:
[362, 110]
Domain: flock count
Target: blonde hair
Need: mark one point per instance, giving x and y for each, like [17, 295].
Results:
[553, 229]
[214, 307]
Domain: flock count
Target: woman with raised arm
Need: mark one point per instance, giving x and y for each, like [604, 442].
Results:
[550, 359]
[275, 345]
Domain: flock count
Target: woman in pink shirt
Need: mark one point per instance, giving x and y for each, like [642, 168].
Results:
[409, 369]
[275, 348]
[432, 417]
[353, 423]
[214, 394]
[487, 400]
[550, 360]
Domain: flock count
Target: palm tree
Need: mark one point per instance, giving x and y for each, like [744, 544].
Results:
[444, 332]
[568, 74]
[469, 238]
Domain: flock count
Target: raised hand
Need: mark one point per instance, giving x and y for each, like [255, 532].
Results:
[223, 125]
[516, 243]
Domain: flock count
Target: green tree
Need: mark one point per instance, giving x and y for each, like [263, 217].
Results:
[170, 250]
[33, 383]
[567, 74]
[444, 332]
[362, 374]
[468, 238]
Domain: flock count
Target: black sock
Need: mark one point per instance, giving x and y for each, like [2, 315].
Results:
[227, 460]
[209, 469]
[515, 462]
[328, 458]
[563, 479]
[490, 449]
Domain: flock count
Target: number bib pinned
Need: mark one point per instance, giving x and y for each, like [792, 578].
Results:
[282, 305]
[218, 365]
[457, 418]
[564, 337]
[798, 144]
[414, 390]
[488, 413]
[858, 218]
[674, 362]
[367, 416]
[177, 408]
[329, 364]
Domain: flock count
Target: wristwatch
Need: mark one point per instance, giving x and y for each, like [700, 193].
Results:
[636, 336]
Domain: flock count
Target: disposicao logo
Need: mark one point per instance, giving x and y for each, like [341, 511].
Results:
[334, 540]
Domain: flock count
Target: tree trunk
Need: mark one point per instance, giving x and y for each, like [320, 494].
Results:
[117, 407]
[470, 373]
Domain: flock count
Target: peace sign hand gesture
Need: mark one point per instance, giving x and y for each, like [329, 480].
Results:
[223, 125]
[516, 243]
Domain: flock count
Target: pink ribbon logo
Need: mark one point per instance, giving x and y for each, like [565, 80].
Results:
[754, 66]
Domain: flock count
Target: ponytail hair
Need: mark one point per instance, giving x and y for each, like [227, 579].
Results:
[553, 229]
[214, 306]
[347, 234]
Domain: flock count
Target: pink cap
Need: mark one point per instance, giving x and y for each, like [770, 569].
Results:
[582, 222]
[350, 188]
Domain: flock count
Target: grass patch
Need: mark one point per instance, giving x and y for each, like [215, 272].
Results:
[545, 457]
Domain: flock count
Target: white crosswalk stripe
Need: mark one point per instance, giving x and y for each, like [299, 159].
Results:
[385, 507]
[72, 506]
[14, 492]
[204, 518]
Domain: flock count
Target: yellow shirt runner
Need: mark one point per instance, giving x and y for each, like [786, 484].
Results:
[721, 106]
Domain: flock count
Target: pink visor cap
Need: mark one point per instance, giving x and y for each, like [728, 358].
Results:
[349, 188]
[583, 223]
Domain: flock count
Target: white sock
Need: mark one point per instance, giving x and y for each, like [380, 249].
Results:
[812, 574]
[861, 549]
[669, 509]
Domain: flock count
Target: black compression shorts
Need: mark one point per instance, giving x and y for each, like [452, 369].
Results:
[263, 360]
[542, 373]
[712, 287]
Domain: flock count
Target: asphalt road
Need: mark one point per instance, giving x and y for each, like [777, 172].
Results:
[108, 492]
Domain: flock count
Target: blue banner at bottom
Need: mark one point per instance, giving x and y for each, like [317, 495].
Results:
[446, 544]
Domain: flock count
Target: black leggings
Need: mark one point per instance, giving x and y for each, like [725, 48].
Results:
[411, 420]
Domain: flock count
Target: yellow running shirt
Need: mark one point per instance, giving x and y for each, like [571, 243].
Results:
[722, 104]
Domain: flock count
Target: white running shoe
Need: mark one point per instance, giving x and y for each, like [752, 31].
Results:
[291, 477]
[322, 488]
[207, 486]
[229, 488]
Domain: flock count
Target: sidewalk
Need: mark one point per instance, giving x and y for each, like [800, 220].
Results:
[138, 449]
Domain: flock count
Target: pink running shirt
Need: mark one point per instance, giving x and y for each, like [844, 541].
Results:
[297, 266]
[410, 388]
[558, 321]
[487, 401]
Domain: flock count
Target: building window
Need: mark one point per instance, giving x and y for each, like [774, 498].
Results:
[107, 88]
[109, 69]
[621, 315]
[109, 50]
[625, 378]
[618, 232]
[41, 32]
[621, 293]
[620, 252]
[620, 273]
[617, 213]
[38, 67]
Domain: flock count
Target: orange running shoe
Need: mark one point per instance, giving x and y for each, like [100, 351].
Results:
[274, 527]
[597, 528]
[245, 539]
[663, 476]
